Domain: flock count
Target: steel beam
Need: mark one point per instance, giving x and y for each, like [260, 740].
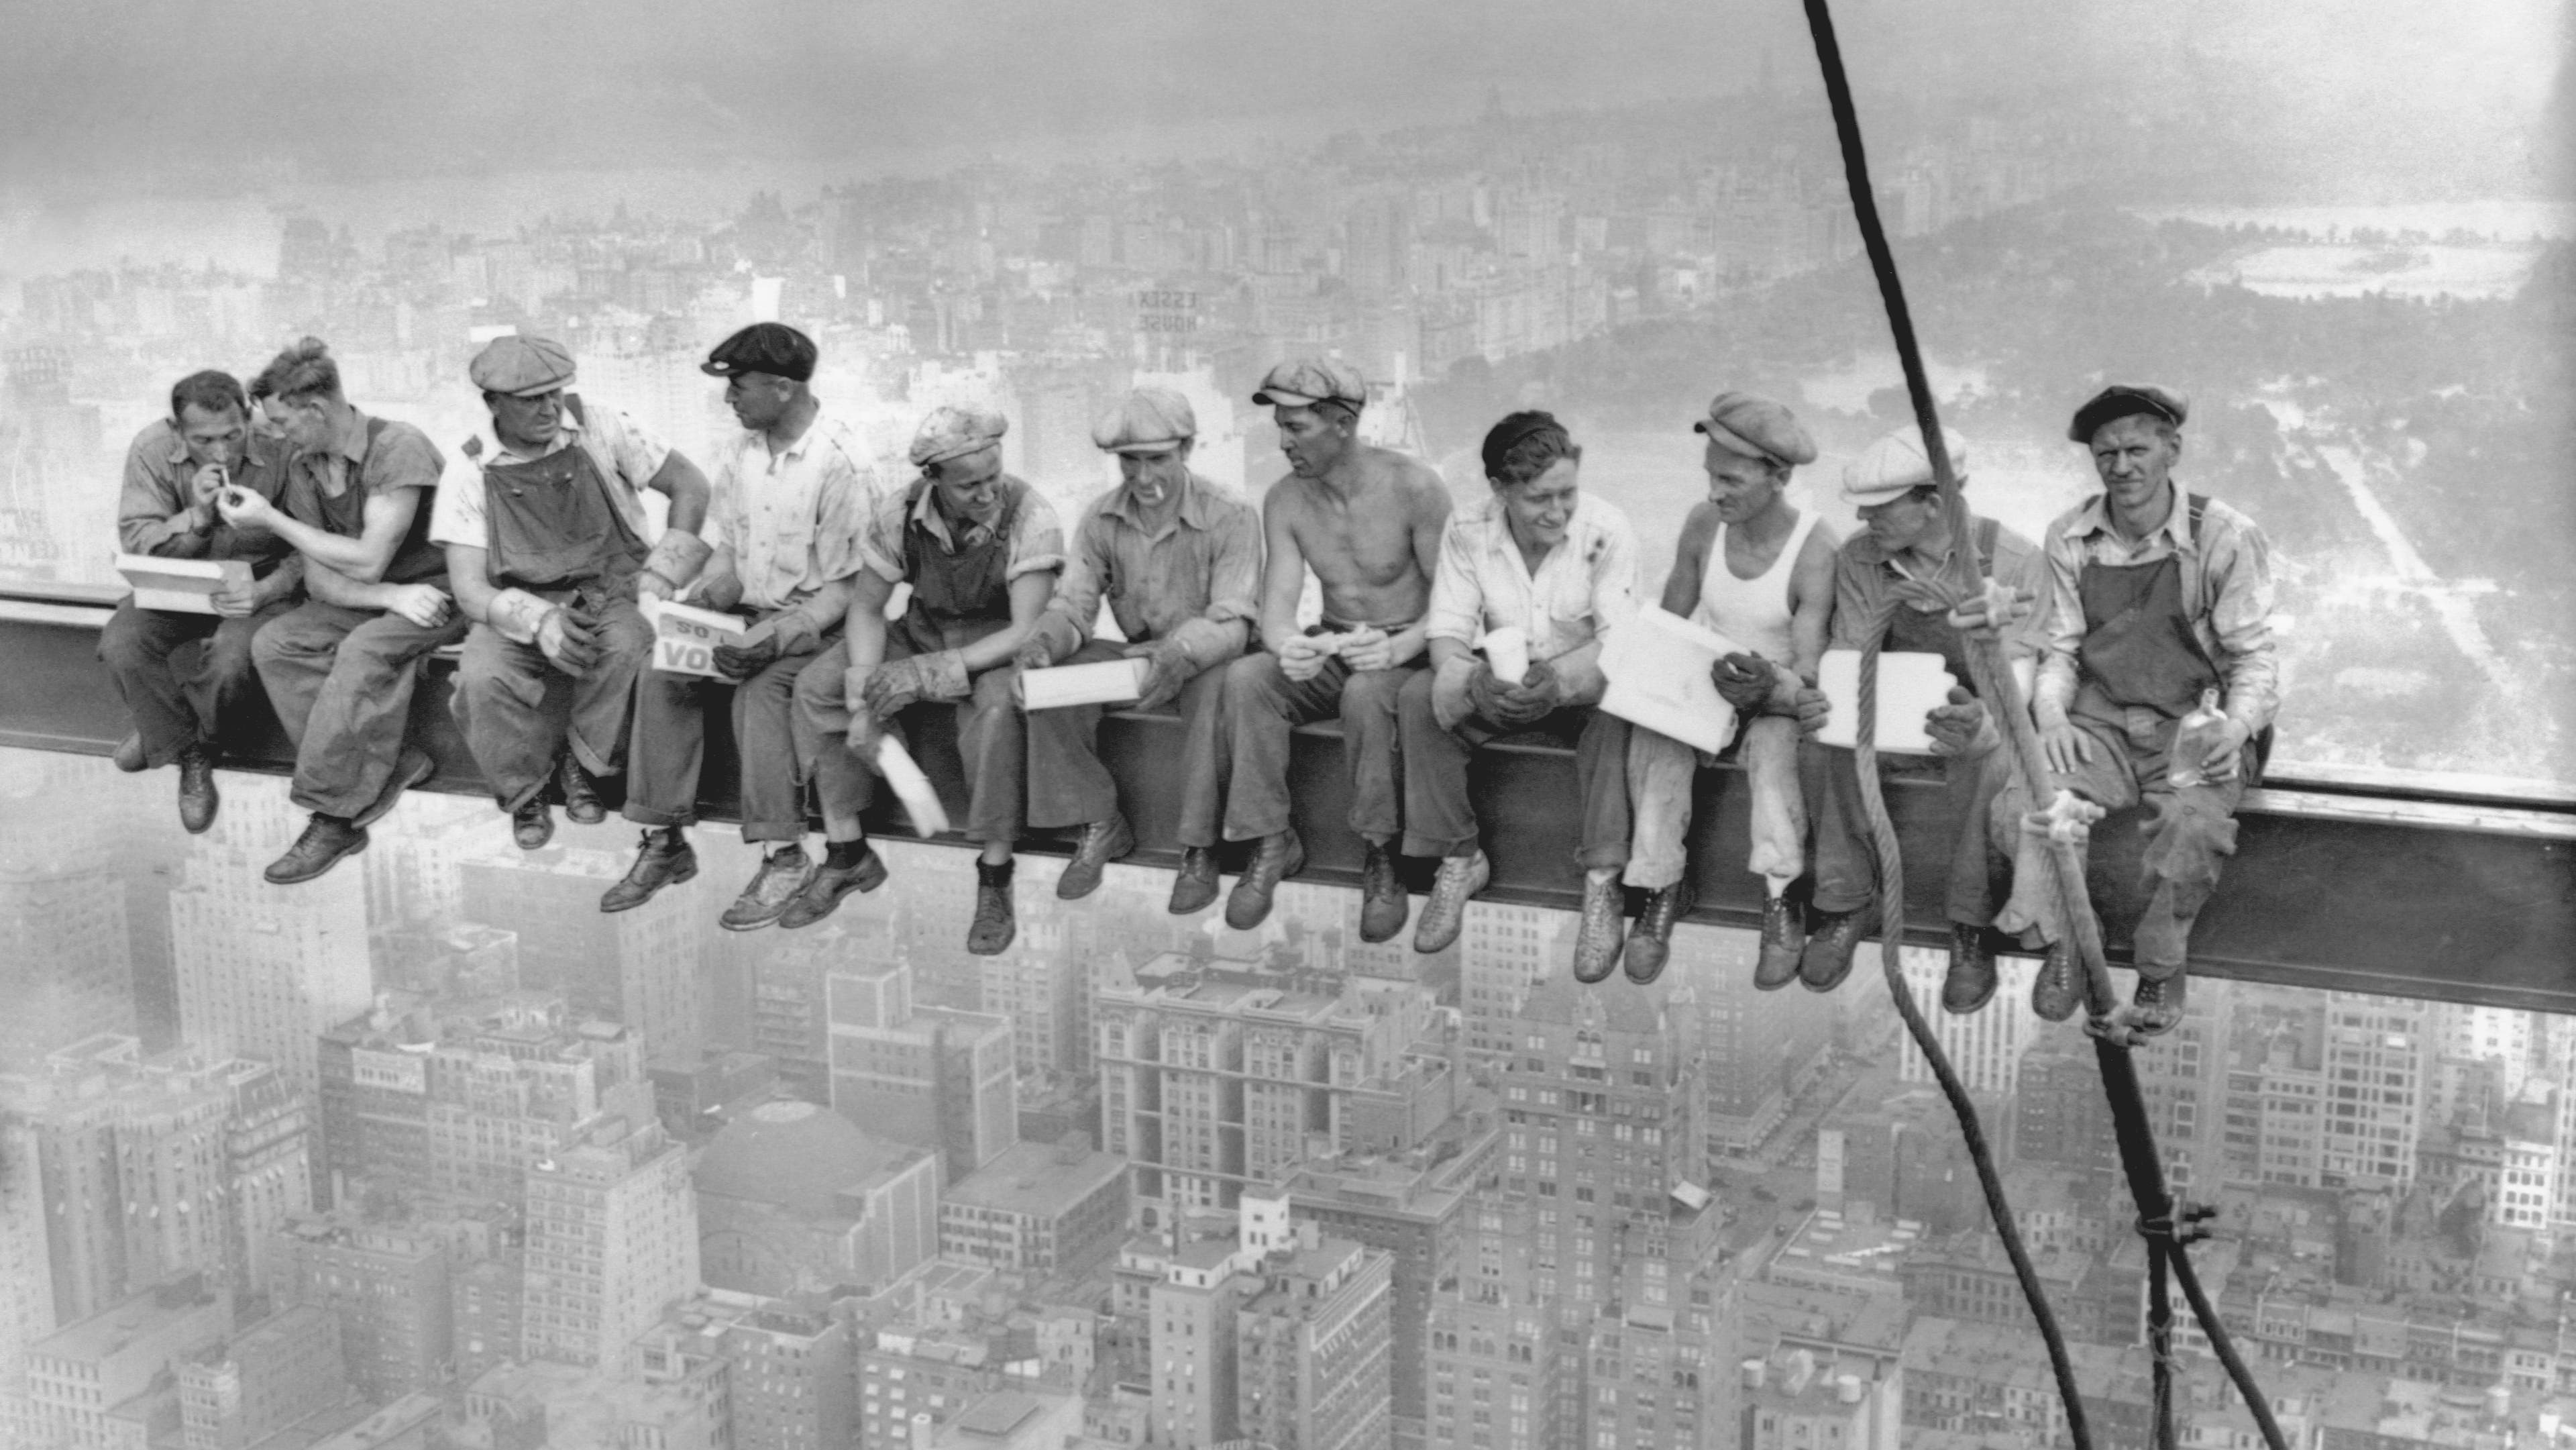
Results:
[2343, 884]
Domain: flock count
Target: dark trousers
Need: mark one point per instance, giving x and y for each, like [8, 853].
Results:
[171, 709]
[2189, 837]
[1068, 786]
[1847, 860]
[341, 681]
[669, 746]
[1438, 821]
[990, 741]
[500, 704]
[1263, 708]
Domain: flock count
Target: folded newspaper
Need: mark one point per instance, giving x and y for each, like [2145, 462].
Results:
[1658, 666]
[183, 586]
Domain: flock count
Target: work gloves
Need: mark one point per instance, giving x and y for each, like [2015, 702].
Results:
[1168, 668]
[896, 683]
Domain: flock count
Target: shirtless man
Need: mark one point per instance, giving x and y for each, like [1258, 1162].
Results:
[1756, 569]
[1368, 522]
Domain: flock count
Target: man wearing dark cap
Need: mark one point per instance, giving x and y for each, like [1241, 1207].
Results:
[1179, 560]
[548, 552]
[981, 550]
[2155, 599]
[173, 472]
[1367, 520]
[1887, 571]
[1759, 571]
[791, 496]
[341, 666]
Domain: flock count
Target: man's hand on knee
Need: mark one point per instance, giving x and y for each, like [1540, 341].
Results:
[1301, 658]
[566, 643]
[2066, 749]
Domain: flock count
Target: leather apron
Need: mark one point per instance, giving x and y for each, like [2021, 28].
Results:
[958, 597]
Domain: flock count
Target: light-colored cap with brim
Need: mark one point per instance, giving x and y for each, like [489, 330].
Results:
[1757, 427]
[1148, 420]
[951, 432]
[1305, 381]
[1896, 465]
[521, 367]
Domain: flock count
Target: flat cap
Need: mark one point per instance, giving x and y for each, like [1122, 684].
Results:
[1147, 420]
[1896, 464]
[520, 367]
[2121, 400]
[764, 347]
[955, 432]
[1302, 382]
[1757, 428]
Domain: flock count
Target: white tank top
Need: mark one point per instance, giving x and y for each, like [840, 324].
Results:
[1753, 612]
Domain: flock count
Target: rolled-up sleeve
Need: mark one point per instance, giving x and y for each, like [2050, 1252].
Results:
[881, 539]
[1218, 633]
[1457, 591]
[638, 453]
[2239, 561]
[456, 515]
[150, 517]
[1074, 609]
[1038, 543]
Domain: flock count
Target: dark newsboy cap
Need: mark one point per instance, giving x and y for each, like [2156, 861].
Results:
[2121, 400]
[764, 347]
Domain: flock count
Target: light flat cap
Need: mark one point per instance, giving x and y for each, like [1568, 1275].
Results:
[955, 432]
[764, 347]
[1757, 428]
[1302, 382]
[1147, 420]
[2122, 400]
[1896, 465]
[521, 367]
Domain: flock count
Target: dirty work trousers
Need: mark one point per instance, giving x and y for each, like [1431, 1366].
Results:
[991, 741]
[1068, 786]
[341, 682]
[500, 705]
[1661, 773]
[171, 710]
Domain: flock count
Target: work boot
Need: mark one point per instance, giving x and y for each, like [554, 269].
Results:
[410, 769]
[664, 859]
[1784, 942]
[1274, 860]
[994, 925]
[325, 840]
[2059, 988]
[1830, 945]
[1460, 878]
[1650, 941]
[1102, 842]
[533, 823]
[2156, 1006]
[847, 867]
[198, 798]
[1598, 940]
[129, 754]
[1970, 982]
[1195, 886]
[1383, 903]
[580, 793]
[781, 875]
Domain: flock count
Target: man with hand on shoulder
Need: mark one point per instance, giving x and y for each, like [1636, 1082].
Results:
[1540, 556]
[1179, 560]
[340, 667]
[791, 497]
[1367, 520]
[174, 471]
[547, 550]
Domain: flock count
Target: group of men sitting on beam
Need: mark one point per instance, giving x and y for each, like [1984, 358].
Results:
[534, 549]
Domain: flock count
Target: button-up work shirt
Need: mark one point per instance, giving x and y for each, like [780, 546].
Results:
[626, 455]
[152, 508]
[1038, 543]
[2226, 587]
[1187, 581]
[792, 518]
[1584, 587]
[1865, 573]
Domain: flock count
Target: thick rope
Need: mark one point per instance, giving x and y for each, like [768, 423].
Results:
[2002, 695]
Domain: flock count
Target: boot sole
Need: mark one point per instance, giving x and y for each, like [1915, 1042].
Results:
[318, 872]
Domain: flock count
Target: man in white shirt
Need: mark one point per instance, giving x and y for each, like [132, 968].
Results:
[545, 530]
[1560, 565]
[791, 497]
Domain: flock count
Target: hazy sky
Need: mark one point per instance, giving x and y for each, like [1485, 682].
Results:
[120, 93]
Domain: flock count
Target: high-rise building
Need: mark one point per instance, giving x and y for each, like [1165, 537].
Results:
[636, 968]
[65, 965]
[612, 1242]
[1219, 1074]
[935, 1077]
[387, 1287]
[26, 1269]
[2377, 1064]
[1041, 990]
[909, 1369]
[1503, 952]
[1039, 1209]
[1984, 1047]
[1313, 1350]
[80, 1377]
[795, 1383]
[1759, 1049]
[263, 1379]
[263, 972]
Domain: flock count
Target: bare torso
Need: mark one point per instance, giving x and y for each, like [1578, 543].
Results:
[1371, 534]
